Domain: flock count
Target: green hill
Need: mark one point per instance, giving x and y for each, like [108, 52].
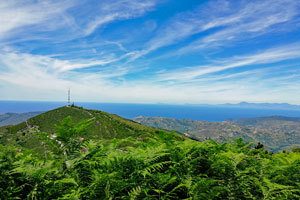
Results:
[103, 126]
[273, 139]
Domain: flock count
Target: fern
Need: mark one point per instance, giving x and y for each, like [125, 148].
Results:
[154, 168]
[135, 192]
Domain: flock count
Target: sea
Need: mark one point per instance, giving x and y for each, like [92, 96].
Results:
[129, 110]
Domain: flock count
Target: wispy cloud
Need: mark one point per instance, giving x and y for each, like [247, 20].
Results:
[268, 56]
[46, 72]
[253, 19]
[109, 11]
[66, 65]
[34, 19]
[222, 21]
[34, 75]
[15, 15]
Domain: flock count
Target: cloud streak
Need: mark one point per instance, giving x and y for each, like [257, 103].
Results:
[109, 11]
[268, 56]
[15, 15]
[28, 17]
[254, 19]
[234, 20]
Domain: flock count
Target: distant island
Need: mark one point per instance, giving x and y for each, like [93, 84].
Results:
[16, 118]
[283, 106]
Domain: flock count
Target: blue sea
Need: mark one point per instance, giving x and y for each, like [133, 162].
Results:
[195, 112]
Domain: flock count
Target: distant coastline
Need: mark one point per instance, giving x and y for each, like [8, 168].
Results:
[203, 112]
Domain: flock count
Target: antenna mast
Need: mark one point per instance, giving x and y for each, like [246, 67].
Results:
[69, 97]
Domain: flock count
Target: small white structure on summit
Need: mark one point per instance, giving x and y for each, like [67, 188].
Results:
[69, 98]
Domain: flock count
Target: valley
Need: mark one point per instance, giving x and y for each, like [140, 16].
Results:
[276, 133]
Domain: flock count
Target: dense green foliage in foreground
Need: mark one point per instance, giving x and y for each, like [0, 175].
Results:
[154, 167]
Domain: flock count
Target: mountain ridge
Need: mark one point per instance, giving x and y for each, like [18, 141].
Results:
[15, 118]
[273, 139]
[275, 123]
[244, 104]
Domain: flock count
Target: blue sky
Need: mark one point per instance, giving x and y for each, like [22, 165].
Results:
[150, 51]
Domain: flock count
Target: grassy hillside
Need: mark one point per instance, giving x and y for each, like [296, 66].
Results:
[103, 126]
[16, 118]
[274, 140]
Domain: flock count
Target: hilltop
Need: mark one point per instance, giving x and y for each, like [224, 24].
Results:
[273, 139]
[103, 126]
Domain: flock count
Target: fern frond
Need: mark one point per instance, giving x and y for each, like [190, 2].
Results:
[135, 192]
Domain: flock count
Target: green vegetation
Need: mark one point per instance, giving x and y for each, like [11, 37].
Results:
[160, 166]
[77, 162]
[276, 133]
[103, 126]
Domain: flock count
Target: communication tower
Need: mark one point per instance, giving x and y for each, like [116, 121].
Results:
[69, 97]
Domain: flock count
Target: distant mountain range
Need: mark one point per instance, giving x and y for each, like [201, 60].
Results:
[16, 118]
[276, 133]
[273, 123]
[283, 106]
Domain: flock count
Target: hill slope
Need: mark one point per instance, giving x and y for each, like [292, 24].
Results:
[103, 126]
[274, 140]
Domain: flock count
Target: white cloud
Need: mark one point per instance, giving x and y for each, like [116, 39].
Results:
[19, 14]
[29, 19]
[43, 72]
[37, 78]
[118, 10]
[232, 20]
[268, 56]
[66, 65]
[254, 19]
